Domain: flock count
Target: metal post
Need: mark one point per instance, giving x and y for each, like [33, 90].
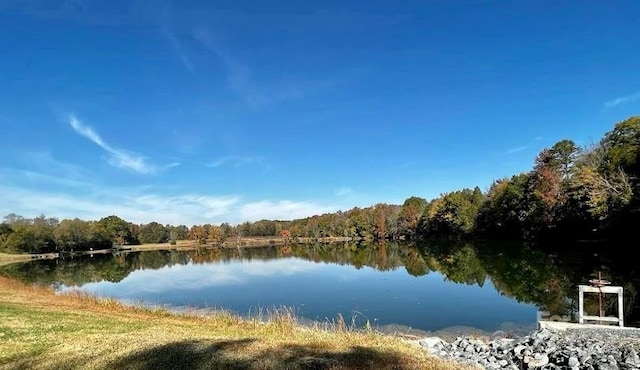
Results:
[620, 309]
[581, 304]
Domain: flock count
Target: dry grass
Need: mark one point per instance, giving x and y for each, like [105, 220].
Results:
[180, 244]
[39, 329]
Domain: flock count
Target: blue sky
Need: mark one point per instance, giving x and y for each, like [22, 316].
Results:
[203, 112]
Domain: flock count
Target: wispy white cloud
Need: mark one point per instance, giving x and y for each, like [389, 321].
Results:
[517, 149]
[240, 80]
[131, 204]
[30, 194]
[282, 210]
[236, 161]
[238, 74]
[173, 39]
[177, 47]
[344, 191]
[622, 100]
[208, 207]
[116, 157]
[510, 151]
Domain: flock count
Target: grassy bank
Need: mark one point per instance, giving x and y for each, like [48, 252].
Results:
[39, 329]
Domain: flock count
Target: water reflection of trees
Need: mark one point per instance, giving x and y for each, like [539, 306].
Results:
[527, 275]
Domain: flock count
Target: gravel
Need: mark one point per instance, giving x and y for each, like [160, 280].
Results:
[575, 348]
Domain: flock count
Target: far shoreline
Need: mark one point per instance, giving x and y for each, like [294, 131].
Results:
[181, 245]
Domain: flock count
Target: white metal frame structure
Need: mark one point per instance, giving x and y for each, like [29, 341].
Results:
[600, 290]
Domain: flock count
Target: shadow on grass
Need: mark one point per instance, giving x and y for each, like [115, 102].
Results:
[236, 354]
[191, 354]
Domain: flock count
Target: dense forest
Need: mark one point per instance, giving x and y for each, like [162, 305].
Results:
[572, 192]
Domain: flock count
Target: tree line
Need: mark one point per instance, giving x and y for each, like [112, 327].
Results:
[44, 235]
[571, 192]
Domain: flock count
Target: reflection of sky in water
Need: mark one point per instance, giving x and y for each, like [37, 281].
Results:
[321, 291]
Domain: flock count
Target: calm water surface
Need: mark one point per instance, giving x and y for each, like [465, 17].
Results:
[320, 291]
[454, 287]
[389, 284]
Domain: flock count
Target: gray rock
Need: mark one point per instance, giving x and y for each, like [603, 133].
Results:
[585, 358]
[537, 360]
[432, 344]
[607, 366]
[584, 348]
[543, 334]
[519, 349]
[504, 344]
[632, 358]
[573, 362]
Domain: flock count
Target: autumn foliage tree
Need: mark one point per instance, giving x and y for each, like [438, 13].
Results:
[409, 216]
[453, 214]
[285, 234]
[198, 234]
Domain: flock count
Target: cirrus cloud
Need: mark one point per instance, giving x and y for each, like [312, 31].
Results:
[622, 100]
[117, 157]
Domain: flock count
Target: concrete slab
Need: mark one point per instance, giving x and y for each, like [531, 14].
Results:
[560, 325]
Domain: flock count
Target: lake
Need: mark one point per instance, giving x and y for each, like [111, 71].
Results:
[434, 287]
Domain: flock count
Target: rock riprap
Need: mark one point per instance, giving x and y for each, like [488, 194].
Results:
[577, 348]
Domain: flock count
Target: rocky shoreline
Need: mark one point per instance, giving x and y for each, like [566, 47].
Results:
[585, 347]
